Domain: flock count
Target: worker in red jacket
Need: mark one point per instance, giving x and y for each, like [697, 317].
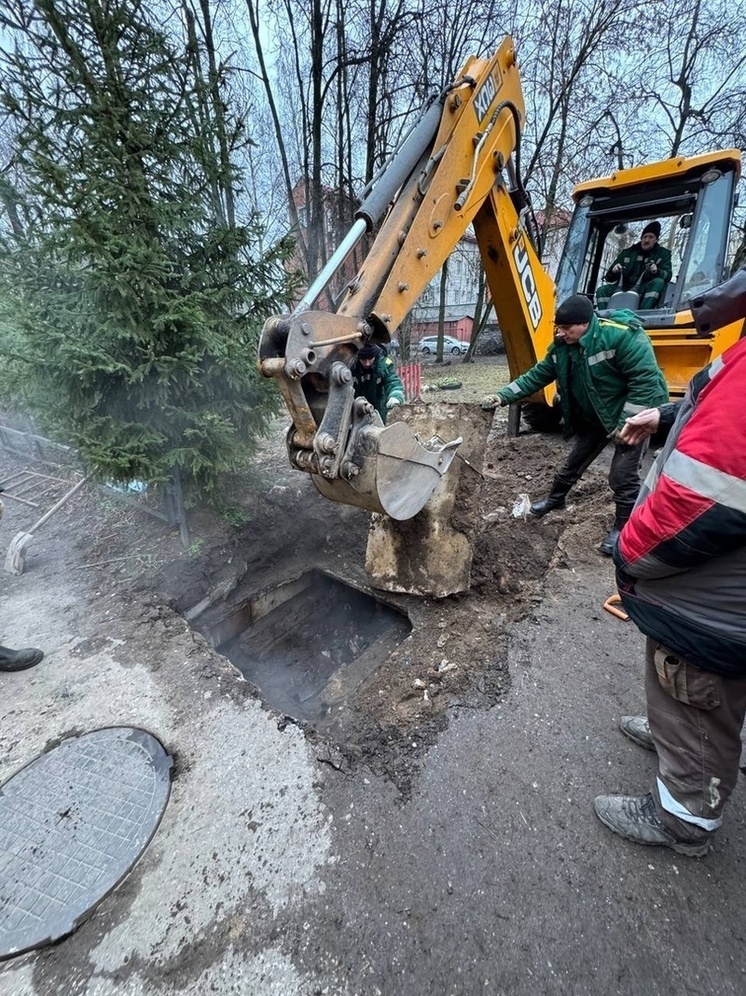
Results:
[681, 573]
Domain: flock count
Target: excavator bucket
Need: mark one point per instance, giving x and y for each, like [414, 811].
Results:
[421, 538]
[337, 438]
[396, 473]
[431, 553]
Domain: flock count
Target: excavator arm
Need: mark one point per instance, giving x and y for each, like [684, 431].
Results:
[456, 169]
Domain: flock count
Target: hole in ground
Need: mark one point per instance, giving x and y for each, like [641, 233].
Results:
[309, 644]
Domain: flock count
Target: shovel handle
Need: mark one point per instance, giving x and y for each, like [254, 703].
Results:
[59, 504]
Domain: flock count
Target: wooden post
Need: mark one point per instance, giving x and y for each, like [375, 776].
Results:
[514, 419]
[173, 503]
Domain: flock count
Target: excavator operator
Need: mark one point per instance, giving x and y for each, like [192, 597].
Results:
[644, 267]
[376, 380]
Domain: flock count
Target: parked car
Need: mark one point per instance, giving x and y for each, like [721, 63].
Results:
[429, 344]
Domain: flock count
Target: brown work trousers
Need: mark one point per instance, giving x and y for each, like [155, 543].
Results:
[695, 718]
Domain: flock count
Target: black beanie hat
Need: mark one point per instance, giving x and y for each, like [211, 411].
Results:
[367, 351]
[654, 227]
[574, 310]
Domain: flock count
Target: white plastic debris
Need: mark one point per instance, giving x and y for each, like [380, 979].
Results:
[521, 507]
[138, 486]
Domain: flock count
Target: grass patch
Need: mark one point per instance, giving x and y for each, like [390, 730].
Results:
[485, 376]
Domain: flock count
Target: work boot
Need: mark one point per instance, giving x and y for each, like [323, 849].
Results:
[19, 660]
[607, 546]
[554, 500]
[623, 513]
[637, 728]
[636, 818]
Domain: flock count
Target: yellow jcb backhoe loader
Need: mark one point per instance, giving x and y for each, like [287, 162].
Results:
[460, 166]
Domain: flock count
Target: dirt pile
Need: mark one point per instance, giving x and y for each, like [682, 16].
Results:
[454, 657]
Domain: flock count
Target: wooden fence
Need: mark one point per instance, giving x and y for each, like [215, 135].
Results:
[29, 446]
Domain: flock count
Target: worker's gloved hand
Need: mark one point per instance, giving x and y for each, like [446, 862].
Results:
[392, 402]
[621, 437]
[492, 401]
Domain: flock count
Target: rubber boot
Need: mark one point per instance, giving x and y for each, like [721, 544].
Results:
[19, 660]
[623, 513]
[554, 500]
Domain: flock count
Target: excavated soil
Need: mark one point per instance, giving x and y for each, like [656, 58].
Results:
[455, 655]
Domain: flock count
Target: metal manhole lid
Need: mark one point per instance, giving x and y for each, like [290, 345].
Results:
[73, 822]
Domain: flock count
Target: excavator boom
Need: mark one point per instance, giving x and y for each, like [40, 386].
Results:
[454, 170]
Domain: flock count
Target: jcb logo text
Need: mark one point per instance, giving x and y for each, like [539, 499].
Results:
[484, 98]
[528, 284]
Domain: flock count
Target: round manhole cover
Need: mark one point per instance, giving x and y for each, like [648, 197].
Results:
[72, 824]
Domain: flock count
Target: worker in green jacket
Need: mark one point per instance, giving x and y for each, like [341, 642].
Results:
[644, 267]
[605, 371]
[375, 379]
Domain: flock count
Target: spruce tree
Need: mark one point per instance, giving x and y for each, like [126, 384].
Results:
[133, 305]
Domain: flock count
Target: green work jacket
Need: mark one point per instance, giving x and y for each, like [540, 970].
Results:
[618, 374]
[634, 262]
[377, 384]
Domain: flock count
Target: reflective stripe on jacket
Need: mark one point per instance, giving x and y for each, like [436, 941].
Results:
[681, 558]
[620, 374]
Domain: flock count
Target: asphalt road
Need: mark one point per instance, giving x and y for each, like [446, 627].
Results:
[275, 874]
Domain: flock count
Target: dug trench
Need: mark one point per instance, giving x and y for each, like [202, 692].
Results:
[371, 676]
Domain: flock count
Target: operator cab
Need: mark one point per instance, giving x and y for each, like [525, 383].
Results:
[692, 199]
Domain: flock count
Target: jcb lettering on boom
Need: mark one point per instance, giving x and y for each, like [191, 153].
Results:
[484, 98]
[528, 283]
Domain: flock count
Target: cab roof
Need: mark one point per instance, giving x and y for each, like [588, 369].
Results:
[728, 159]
